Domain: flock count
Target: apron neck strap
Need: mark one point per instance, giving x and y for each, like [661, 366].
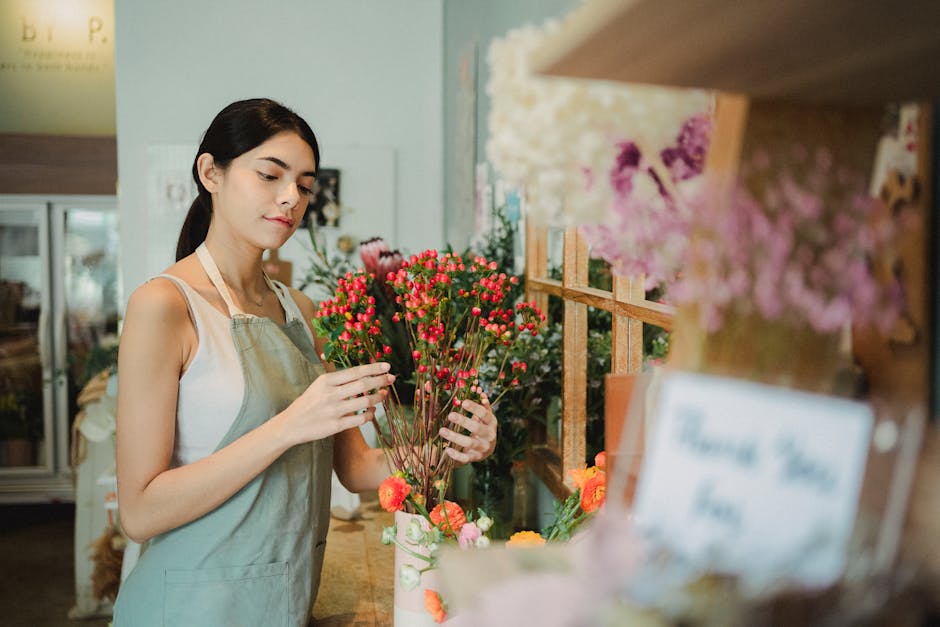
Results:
[209, 265]
[281, 297]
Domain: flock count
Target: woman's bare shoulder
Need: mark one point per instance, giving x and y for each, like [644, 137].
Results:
[161, 297]
[158, 299]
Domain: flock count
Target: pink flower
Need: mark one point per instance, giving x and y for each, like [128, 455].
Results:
[370, 251]
[388, 263]
[468, 534]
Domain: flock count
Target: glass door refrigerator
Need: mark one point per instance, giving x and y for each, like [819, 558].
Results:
[59, 309]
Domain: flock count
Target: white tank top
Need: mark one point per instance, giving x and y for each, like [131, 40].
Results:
[212, 388]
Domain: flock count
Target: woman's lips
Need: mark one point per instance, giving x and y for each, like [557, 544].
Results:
[282, 221]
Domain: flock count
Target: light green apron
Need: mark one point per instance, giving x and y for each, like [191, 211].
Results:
[256, 559]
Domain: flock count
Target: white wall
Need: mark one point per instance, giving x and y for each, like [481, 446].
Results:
[366, 74]
[472, 26]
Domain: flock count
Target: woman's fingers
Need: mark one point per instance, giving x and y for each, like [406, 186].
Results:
[330, 390]
[459, 456]
[457, 438]
[347, 375]
[479, 410]
[481, 425]
[364, 385]
[354, 420]
[467, 423]
[360, 403]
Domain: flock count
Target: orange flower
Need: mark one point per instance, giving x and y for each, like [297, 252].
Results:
[454, 521]
[392, 493]
[434, 605]
[580, 476]
[600, 460]
[525, 538]
[594, 492]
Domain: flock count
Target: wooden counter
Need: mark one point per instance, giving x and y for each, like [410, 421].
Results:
[357, 583]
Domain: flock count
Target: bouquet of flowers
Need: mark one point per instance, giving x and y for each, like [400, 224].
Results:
[453, 313]
[588, 497]
[446, 522]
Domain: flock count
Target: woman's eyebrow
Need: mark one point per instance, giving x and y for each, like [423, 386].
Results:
[277, 161]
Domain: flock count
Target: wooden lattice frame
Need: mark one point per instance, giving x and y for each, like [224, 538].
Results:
[629, 309]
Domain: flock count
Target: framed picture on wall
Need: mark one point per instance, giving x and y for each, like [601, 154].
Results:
[325, 205]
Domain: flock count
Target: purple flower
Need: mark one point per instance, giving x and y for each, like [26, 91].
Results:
[625, 167]
[687, 158]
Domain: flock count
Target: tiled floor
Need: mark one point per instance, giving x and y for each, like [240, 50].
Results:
[37, 581]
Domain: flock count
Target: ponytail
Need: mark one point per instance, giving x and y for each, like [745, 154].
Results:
[195, 227]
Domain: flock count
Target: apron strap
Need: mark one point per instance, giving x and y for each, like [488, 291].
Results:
[283, 296]
[208, 264]
[280, 297]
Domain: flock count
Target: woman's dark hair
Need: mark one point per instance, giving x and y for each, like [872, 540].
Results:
[238, 128]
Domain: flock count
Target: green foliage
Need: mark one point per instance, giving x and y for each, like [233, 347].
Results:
[324, 269]
[598, 366]
[568, 516]
[20, 417]
[524, 404]
[101, 357]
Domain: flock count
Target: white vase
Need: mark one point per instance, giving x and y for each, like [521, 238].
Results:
[409, 604]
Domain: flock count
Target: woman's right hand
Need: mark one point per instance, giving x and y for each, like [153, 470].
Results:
[335, 402]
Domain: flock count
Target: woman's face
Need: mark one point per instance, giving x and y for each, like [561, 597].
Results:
[262, 195]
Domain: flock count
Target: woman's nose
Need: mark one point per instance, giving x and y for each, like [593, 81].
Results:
[290, 195]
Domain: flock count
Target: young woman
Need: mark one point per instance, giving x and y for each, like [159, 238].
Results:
[228, 423]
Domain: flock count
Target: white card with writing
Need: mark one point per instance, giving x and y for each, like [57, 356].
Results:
[755, 480]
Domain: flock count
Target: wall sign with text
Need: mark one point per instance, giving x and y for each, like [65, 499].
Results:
[57, 67]
[750, 479]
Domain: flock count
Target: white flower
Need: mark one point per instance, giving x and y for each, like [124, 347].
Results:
[409, 577]
[388, 534]
[550, 135]
[484, 523]
[414, 532]
[482, 542]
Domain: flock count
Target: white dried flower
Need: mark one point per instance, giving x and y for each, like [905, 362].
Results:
[559, 137]
[414, 532]
[409, 577]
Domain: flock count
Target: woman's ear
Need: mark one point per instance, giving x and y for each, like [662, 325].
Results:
[209, 174]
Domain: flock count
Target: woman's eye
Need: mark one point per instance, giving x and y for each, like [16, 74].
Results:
[266, 177]
[305, 190]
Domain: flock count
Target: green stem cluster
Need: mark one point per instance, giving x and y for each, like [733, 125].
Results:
[567, 517]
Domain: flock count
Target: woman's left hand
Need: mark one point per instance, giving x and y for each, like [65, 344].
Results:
[480, 441]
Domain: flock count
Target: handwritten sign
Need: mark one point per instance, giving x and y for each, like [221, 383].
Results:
[754, 480]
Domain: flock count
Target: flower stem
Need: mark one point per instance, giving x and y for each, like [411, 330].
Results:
[426, 558]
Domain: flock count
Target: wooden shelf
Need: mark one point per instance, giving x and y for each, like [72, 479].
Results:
[840, 51]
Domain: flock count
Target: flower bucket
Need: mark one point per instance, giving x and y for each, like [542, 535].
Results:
[410, 610]
[618, 396]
